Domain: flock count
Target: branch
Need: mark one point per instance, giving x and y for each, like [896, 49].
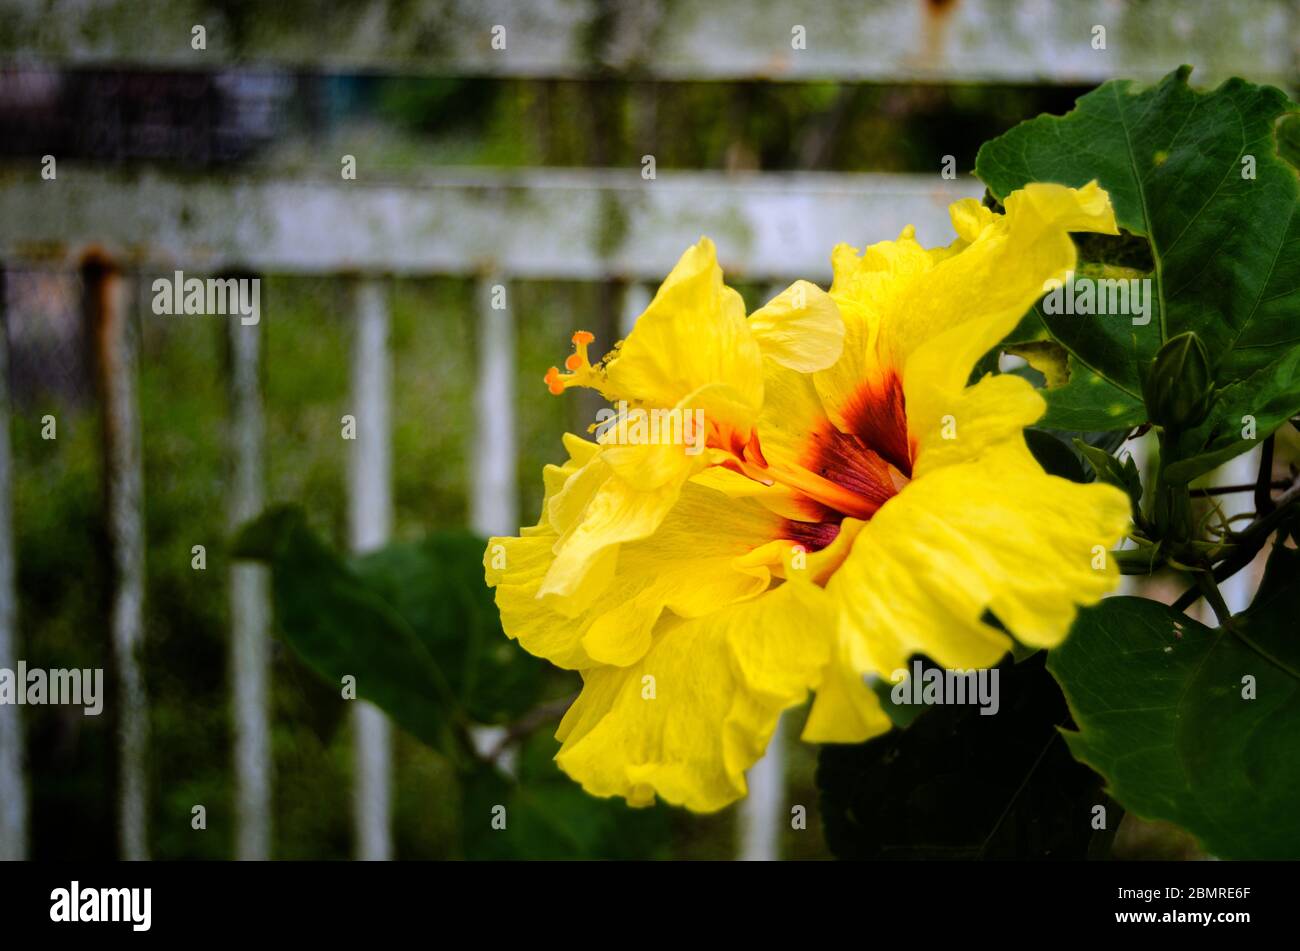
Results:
[1229, 489]
[1210, 590]
[529, 722]
[1246, 545]
[1263, 499]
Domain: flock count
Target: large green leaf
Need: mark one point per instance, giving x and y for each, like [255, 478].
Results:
[342, 627]
[955, 784]
[1068, 349]
[1159, 703]
[1224, 247]
[1087, 401]
[407, 622]
[436, 585]
[416, 627]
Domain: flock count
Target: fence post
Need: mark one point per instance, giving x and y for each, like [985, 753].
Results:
[370, 519]
[1239, 590]
[106, 305]
[13, 786]
[250, 608]
[636, 298]
[761, 819]
[494, 496]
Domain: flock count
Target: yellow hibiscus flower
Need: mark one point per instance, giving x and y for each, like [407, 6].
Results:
[852, 503]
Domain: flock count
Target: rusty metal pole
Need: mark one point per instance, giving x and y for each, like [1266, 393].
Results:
[106, 306]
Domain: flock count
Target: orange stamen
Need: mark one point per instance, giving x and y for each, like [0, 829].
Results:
[581, 372]
[553, 381]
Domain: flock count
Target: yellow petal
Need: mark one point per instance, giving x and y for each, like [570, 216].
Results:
[929, 316]
[940, 326]
[678, 569]
[520, 565]
[969, 219]
[693, 335]
[681, 570]
[993, 534]
[974, 421]
[844, 709]
[800, 328]
[864, 290]
[617, 512]
[691, 716]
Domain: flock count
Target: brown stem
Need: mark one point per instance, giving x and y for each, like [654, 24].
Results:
[1229, 489]
[1263, 500]
[529, 722]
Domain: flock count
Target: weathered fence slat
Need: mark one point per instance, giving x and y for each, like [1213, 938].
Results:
[761, 820]
[13, 782]
[536, 224]
[891, 41]
[494, 494]
[370, 519]
[250, 608]
[1240, 588]
[636, 298]
[107, 304]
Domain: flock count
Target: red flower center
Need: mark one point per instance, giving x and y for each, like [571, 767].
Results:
[872, 461]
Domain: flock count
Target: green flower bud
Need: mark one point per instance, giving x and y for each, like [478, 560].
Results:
[1178, 388]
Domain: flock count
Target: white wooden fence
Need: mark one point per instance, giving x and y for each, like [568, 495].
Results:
[1008, 41]
[497, 226]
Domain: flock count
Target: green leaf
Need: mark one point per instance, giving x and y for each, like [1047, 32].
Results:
[436, 585]
[1056, 457]
[955, 784]
[1270, 397]
[1089, 402]
[342, 627]
[1224, 247]
[1288, 139]
[412, 622]
[1121, 474]
[549, 816]
[1158, 699]
[1086, 400]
